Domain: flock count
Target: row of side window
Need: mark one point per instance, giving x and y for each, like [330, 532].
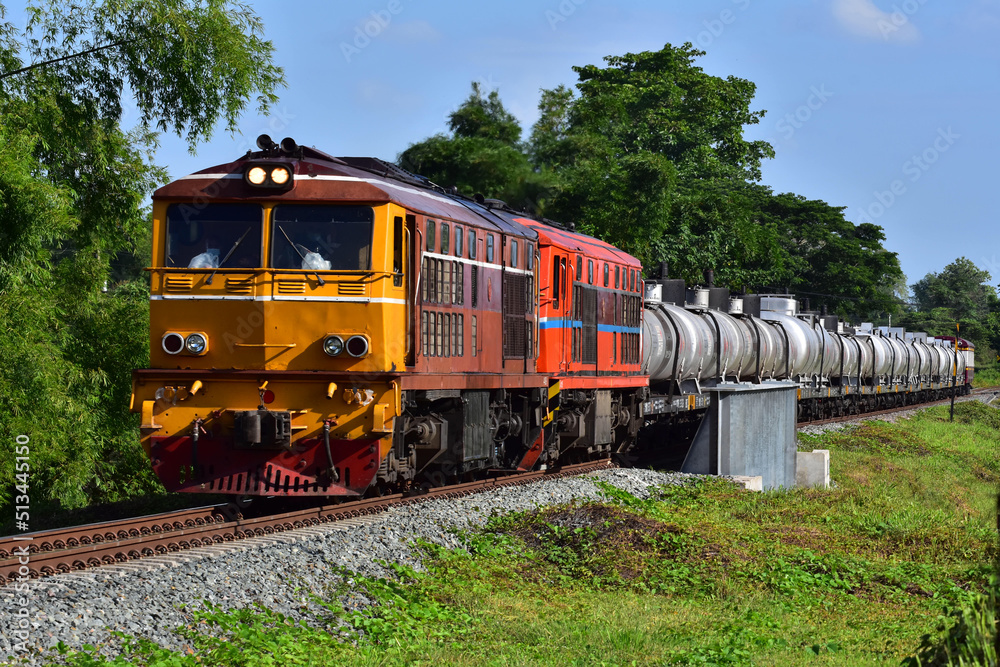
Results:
[625, 279]
[443, 244]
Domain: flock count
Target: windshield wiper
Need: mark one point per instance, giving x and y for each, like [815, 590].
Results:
[228, 255]
[298, 252]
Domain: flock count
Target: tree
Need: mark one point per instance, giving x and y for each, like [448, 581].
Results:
[73, 183]
[485, 118]
[549, 146]
[483, 155]
[960, 294]
[832, 261]
[651, 156]
[654, 159]
[962, 288]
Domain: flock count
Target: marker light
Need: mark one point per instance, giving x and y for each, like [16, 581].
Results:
[257, 175]
[357, 346]
[172, 343]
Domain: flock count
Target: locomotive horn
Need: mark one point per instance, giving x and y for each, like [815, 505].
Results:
[265, 143]
[288, 145]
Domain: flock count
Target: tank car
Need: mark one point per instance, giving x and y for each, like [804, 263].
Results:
[702, 337]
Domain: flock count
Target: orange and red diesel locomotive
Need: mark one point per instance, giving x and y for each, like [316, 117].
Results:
[322, 325]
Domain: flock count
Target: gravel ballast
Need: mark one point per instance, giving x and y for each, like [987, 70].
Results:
[280, 571]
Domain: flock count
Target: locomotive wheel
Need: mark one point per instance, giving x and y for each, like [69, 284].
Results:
[242, 502]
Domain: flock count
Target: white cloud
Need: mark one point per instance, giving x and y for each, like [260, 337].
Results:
[864, 19]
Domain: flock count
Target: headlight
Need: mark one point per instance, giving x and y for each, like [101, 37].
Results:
[257, 175]
[333, 345]
[172, 343]
[196, 343]
[357, 346]
[269, 175]
[279, 175]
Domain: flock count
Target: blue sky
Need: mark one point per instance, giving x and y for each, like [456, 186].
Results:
[888, 107]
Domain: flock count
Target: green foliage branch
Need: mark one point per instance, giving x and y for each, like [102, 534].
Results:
[74, 228]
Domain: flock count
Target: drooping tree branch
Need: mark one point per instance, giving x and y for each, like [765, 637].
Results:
[68, 57]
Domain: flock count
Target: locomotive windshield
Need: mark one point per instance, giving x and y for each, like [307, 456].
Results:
[212, 236]
[322, 237]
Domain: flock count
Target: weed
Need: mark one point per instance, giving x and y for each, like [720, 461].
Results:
[966, 636]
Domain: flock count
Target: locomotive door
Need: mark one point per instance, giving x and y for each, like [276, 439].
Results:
[560, 302]
[513, 302]
[412, 249]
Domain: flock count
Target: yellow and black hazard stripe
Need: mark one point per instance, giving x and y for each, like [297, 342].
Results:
[553, 404]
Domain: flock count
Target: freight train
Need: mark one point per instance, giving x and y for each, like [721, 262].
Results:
[325, 326]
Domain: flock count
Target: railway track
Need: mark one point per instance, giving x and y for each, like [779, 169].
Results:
[889, 411]
[63, 550]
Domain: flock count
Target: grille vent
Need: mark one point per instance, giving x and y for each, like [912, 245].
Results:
[475, 286]
[178, 283]
[588, 314]
[351, 289]
[515, 327]
[239, 285]
[291, 287]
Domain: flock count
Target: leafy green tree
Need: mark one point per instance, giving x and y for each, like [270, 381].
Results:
[72, 185]
[485, 118]
[483, 155]
[653, 158]
[549, 146]
[961, 294]
[962, 287]
[831, 260]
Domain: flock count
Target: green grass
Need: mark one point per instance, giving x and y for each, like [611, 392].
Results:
[894, 561]
[987, 376]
